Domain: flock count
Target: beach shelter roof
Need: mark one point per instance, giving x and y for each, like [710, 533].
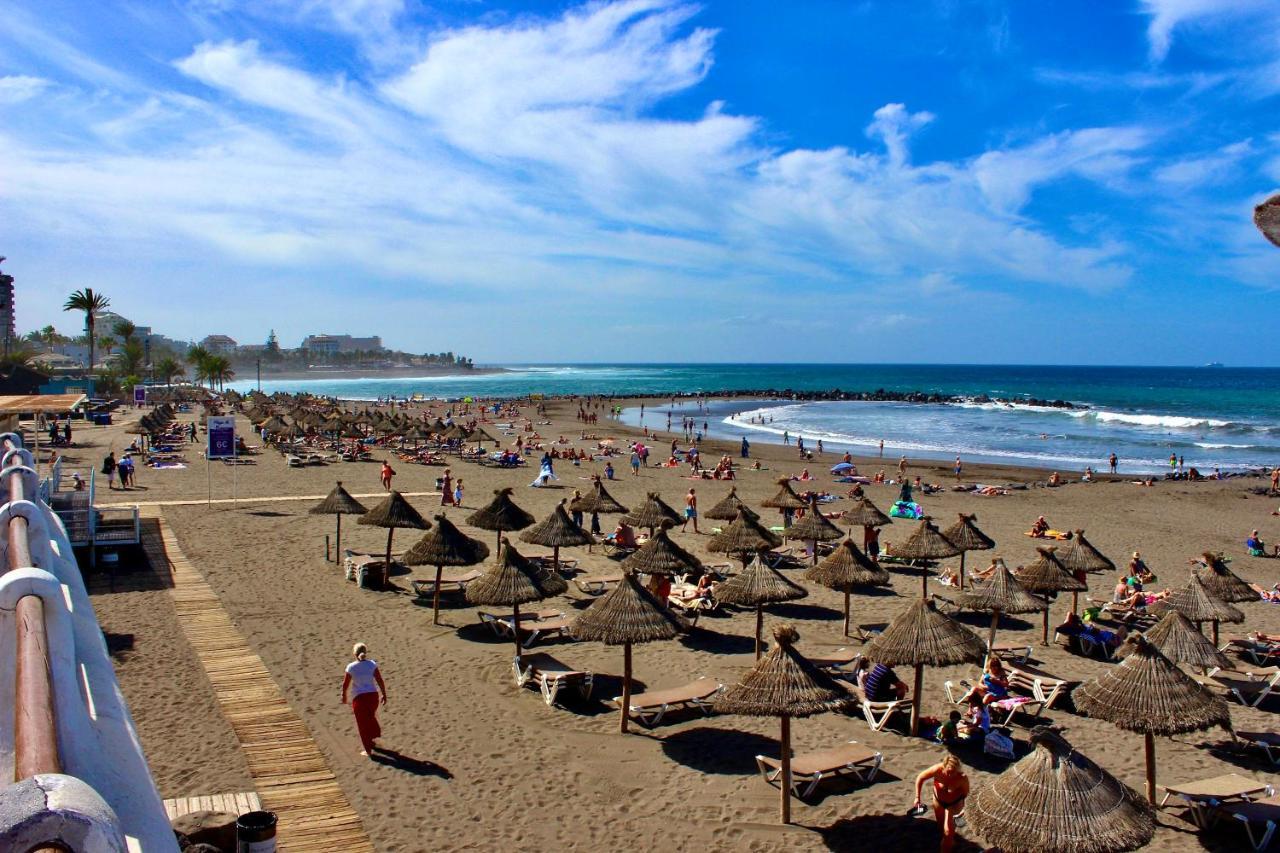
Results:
[628, 613]
[501, 513]
[758, 584]
[1146, 693]
[1181, 642]
[814, 527]
[274, 424]
[338, 501]
[846, 568]
[1196, 603]
[651, 513]
[596, 500]
[661, 556]
[864, 513]
[784, 683]
[1047, 574]
[416, 433]
[1003, 593]
[727, 508]
[446, 545]
[926, 543]
[1055, 800]
[1267, 217]
[456, 431]
[1222, 583]
[557, 530]
[966, 536]
[513, 580]
[786, 498]
[394, 511]
[920, 635]
[744, 535]
[1081, 556]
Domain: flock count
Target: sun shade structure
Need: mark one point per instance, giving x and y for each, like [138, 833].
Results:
[1267, 217]
[966, 536]
[338, 502]
[783, 684]
[1195, 602]
[1146, 693]
[1181, 642]
[557, 531]
[756, 586]
[785, 501]
[1082, 558]
[651, 513]
[1056, 800]
[727, 508]
[1222, 583]
[867, 515]
[661, 556]
[925, 543]
[393, 512]
[500, 515]
[1000, 594]
[844, 570]
[1046, 575]
[627, 614]
[511, 581]
[743, 538]
[597, 501]
[813, 528]
[445, 545]
[920, 636]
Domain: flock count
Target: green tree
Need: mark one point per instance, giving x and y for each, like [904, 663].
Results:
[218, 371]
[197, 356]
[124, 330]
[107, 343]
[90, 303]
[132, 356]
[168, 368]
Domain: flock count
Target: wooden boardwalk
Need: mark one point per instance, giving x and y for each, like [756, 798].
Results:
[289, 773]
[236, 804]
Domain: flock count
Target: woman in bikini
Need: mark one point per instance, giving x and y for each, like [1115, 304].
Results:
[950, 788]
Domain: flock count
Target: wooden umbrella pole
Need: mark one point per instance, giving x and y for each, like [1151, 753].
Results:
[786, 769]
[915, 700]
[498, 545]
[846, 612]
[1215, 633]
[337, 548]
[1151, 767]
[962, 553]
[555, 558]
[626, 685]
[815, 552]
[435, 599]
[515, 632]
[1046, 618]
[1075, 603]
[386, 568]
[924, 582]
[991, 635]
[759, 627]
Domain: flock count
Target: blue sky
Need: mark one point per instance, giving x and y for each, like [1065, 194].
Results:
[726, 181]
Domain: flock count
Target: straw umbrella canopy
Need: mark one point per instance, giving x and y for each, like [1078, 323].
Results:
[511, 581]
[393, 512]
[596, 501]
[1222, 583]
[845, 569]
[338, 502]
[557, 531]
[757, 586]
[500, 514]
[1081, 558]
[1146, 693]
[920, 636]
[727, 508]
[661, 556]
[744, 537]
[273, 425]
[966, 536]
[786, 500]
[627, 614]
[457, 432]
[926, 543]
[813, 528]
[868, 515]
[1195, 602]
[1181, 642]
[784, 684]
[651, 513]
[1001, 594]
[1267, 217]
[1046, 574]
[1055, 800]
[446, 545]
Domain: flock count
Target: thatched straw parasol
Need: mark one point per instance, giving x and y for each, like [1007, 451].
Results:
[1055, 800]
[744, 537]
[1195, 602]
[920, 636]
[1146, 693]
[394, 511]
[727, 508]
[783, 684]
[511, 581]
[1001, 594]
[446, 545]
[1081, 558]
[786, 500]
[597, 501]
[661, 556]
[627, 614]
[557, 531]
[1222, 583]
[338, 502]
[845, 569]
[814, 528]
[966, 536]
[868, 515]
[273, 425]
[1267, 217]
[1045, 575]
[1181, 642]
[926, 543]
[500, 515]
[651, 513]
[757, 586]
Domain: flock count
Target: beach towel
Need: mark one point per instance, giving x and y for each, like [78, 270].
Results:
[901, 509]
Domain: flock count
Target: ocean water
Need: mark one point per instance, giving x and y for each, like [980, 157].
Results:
[1227, 418]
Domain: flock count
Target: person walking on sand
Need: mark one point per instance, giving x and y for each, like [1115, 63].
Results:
[446, 488]
[1113, 461]
[387, 473]
[950, 789]
[109, 468]
[363, 682]
[746, 450]
[959, 468]
[690, 510]
[902, 467]
[457, 493]
[882, 448]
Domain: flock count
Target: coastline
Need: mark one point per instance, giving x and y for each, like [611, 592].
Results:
[423, 372]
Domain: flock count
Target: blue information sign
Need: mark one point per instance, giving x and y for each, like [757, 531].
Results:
[222, 437]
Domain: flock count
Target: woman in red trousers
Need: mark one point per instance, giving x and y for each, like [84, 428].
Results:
[363, 680]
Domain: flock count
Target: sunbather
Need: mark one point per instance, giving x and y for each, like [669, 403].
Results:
[880, 683]
[1272, 595]
[1039, 528]
[1258, 548]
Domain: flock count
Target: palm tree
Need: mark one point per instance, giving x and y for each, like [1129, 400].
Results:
[90, 303]
[124, 330]
[197, 356]
[218, 370]
[167, 368]
[107, 343]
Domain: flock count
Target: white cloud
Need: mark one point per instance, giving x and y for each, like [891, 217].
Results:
[1207, 168]
[894, 125]
[16, 88]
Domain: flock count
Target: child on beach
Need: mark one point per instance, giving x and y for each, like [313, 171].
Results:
[457, 493]
[387, 473]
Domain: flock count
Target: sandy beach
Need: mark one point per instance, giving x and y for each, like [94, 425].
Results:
[478, 761]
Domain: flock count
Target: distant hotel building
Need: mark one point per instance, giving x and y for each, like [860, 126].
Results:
[333, 344]
[219, 344]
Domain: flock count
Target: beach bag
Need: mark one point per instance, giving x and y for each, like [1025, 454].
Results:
[1091, 613]
[998, 745]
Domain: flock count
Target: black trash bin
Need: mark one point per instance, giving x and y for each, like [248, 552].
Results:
[256, 832]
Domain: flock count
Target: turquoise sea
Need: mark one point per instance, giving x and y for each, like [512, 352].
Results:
[1212, 416]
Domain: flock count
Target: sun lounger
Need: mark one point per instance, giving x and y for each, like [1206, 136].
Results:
[1002, 711]
[567, 567]
[867, 631]
[551, 676]
[597, 584]
[1037, 683]
[1203, 796]
[1268, 742]
[501, 623]
[449, 583]
[1258, 652]
[1265, 812]
[841, 662]
[878, 714]
[555, 626]
[810, 768]
[780, 558]
[1241, 686]
[1089, 643]
[1013, 652]
[649, 708]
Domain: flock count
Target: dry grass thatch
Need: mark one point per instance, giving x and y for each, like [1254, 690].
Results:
[628, 613]
[446, 545]
[966, 536]
[1195, 602]
[1146, 693]
[920, 635]
[864, 513]
[814, 527]
[1047, 574]
[597, 501]
[783, 683]
[661, 556]
[1267, 217]
[1081, 556]
[758, 584]
[1222, 583]
[651, 513]
[847, 568]
[1003, 593]
[513, 580]
[394, 511]
[338, 502]
[501, 513]
[557, 530]
[745, 535]
[786, 498]
[926, 543]
[1055, 800]
[1180, 642]
[727, 508]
